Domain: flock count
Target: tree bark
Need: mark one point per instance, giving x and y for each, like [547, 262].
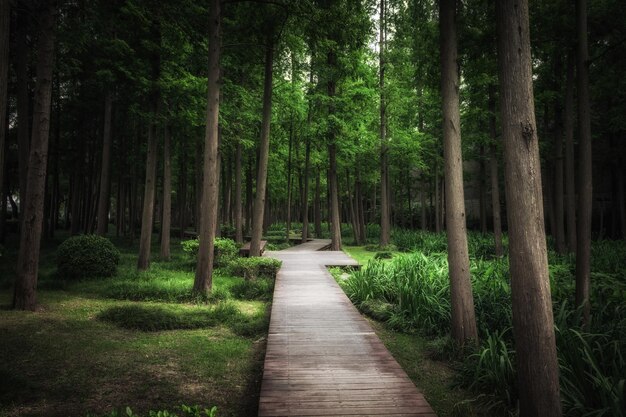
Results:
[289, 181]
[305, 193]
[104, 200]
[317, 206]
[208, 217]
[385, 228]
[495, 183]
[533, 324]
[23, 126]
[482, 194]
[261, 182]
[559, 207]
[5, 25]
[167, 195]
[238, 201]
[462, 302]
[585, 191]
[570, 184]
[25, 291]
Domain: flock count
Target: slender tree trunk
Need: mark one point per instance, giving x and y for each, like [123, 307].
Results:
[559, 207]
[335, 221]
[305, 193]
[147, 217]
[385, 228]
[289, 181]
[25, 290]
[533, 324]
[437, 199]
[5, 24]
[463, 318]
[359, 207]
[104, 200]
[423, 222]
[570, 184]
[23, 126]
[317, 206]
[208, 218]
[482, 194]
[495, 183]
[249, 197]
[182, 189]
[167, 195]
[585, 192]
[238, 202]
[261, 182]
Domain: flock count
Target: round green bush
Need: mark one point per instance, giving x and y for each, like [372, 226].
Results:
[87, 256]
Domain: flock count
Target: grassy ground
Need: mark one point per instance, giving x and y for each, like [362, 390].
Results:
[135, 340]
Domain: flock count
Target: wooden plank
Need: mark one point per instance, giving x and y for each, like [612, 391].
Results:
[323, 358]
[245, 249]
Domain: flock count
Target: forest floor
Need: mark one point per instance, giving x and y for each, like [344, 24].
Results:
[88, 350]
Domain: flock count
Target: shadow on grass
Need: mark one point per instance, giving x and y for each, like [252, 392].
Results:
[157, 318]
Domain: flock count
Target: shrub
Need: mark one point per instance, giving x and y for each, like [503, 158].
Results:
[260, 289]
[87, 256]
[255, 267]
[225, 250]
[187, 411]
[383, 255]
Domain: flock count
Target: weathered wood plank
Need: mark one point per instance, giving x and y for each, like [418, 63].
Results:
[323, 358]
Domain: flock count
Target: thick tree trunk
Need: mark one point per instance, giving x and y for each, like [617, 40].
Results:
[585, 192]
[238, 202]
[570, 183]
[167, 195]
[147, 216]
[104, 200]
[462, 302]
[5, 24]
[208, 217]
[23, 126]
[25, 291]
[495, 183]
[533, 325]
[261, 182]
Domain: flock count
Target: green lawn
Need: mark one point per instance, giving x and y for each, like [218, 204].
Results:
[137, 340]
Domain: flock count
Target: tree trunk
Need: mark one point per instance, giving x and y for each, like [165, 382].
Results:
[462, 302]
[104, 200]
[570, 184]
[482, 198]
[385, 228]
[559, 208]
[167, 195]
[317, 206]
[621, 200]
[495, 183]
[5, 24]
[23, 126]
[25, 291]
[359, 207]
[335, 221]
[437, 206]
[210, 187]
[238, 203]
[585, 192]
[305, 193]
[289, 181]
[182, 190]
[261, 182]
[198, 185]
[533, 325]
[147, 217]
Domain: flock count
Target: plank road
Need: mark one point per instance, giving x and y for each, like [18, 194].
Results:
[323, 358]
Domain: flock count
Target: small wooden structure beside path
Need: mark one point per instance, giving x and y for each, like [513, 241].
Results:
[323, 358]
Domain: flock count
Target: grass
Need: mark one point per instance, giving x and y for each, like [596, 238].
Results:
[139, 339]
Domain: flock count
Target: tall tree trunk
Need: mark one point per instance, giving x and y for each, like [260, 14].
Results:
[462, 302]
[104, 200]
[385, 228]
[359, 207]
[585, 192]
[261, 181]
[335, 221]
[570, 183]
[182, 189]
[495, 183]
[23, 126]
[533, 324]
[317, 206]
[5, 24]
[167, 195]
[437, 199]
[559, 208]
[238, 202]
[482, 194]
[147, 216]
[289, 181]
[208, 218]
[25, 290]
[305, 193]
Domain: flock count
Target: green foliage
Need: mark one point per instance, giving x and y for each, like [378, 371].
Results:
[225, 250]
[87, 256]
[383, 255]
[187, 411]
[257, 289]
[255, 267]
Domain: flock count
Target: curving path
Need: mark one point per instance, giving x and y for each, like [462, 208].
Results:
[323, 358]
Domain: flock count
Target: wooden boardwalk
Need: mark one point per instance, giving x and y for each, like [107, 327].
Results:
[323, 358]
